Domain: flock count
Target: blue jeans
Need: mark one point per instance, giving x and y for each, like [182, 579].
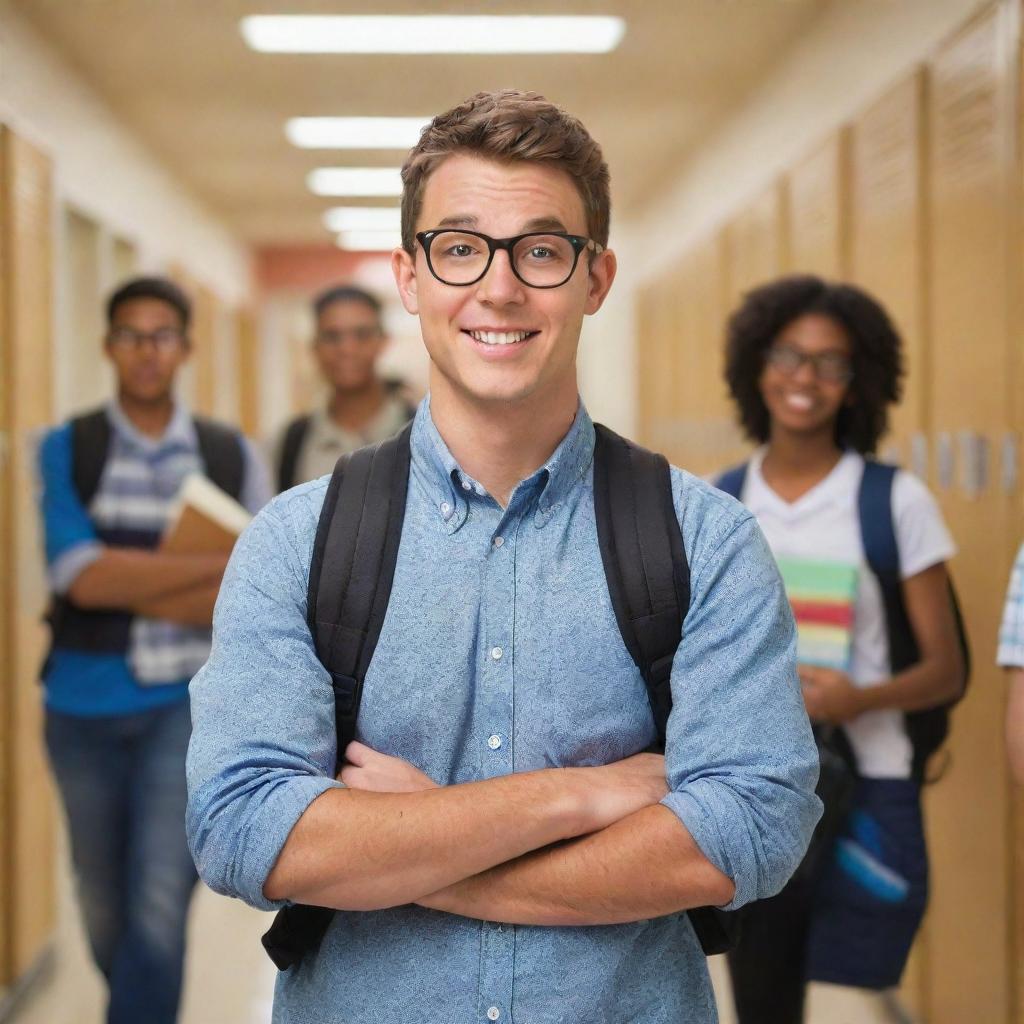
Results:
[122, 781]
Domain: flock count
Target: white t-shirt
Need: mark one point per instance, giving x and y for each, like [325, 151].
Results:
[824, 525]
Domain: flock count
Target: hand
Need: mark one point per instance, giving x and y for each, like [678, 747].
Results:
[830, 695]
[369, 770]
[620, 789]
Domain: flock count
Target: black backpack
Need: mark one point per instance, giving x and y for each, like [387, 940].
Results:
[927, 729]
[352, 571]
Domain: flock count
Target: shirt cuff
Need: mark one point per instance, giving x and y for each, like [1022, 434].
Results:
[65, 569]
[700, 814]
[268, 832]
[1010, 656]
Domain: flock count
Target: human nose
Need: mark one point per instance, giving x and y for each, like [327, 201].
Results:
[499, 285]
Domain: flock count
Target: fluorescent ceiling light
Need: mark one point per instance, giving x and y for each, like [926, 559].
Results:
[363, 218]
[300, 33]
[355, 181]
[369, 241]
[355, 132]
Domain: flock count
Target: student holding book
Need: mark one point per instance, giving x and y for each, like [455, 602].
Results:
[813, 368]
[131, 625]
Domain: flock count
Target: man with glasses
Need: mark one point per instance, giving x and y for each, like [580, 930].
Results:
[130, 626]
[363, 408]
[499, 845]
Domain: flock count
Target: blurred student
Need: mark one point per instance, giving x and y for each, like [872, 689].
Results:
[1011, 658]
[130, 626]
[813, 368]
[363, 408]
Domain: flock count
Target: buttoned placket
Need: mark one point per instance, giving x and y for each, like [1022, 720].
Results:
[497, 672]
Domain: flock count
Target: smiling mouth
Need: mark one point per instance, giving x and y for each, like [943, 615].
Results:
[501, 337]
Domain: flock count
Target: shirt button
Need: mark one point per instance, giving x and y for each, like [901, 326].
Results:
[466, 485]
[445, 508]
[496, 653]
[498, 541]
[494, 742]
[493, 1013]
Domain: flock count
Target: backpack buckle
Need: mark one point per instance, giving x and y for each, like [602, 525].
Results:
[346, 693]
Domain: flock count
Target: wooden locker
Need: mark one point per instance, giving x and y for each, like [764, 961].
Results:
[887, 243]
[26, 325]
[971, 163]
[204, 354]
[685, 449]
[247, 359]
[755, 244]
[818, 215]
[645, 347]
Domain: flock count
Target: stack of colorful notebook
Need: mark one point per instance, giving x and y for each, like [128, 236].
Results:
[822, 595]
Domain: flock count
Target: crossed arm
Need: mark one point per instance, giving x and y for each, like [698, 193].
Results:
[555, 847]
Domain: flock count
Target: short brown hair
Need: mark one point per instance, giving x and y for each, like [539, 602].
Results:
[510, 125]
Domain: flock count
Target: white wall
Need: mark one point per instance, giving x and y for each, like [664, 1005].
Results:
[845, 60]
[102, 170]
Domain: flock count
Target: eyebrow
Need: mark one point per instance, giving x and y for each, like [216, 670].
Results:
[537, 224]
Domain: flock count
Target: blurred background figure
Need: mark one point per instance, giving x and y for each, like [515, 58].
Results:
[814, 369]
[1011, 658]
[130, 626]
[363, 407]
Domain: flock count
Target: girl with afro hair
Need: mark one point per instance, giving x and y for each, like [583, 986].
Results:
[814, 368]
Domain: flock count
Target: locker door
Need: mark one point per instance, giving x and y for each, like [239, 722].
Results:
[755, 244]
[247, 359]
[818, 210]
[971, 160]
[887, 257]
[26, 267]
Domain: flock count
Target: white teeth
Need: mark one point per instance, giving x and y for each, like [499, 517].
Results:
[801, 402]
[499, 337]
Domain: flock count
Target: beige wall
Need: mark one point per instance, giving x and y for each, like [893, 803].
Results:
[824, 80]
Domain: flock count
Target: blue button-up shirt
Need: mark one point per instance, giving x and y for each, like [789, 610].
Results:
[500, 653]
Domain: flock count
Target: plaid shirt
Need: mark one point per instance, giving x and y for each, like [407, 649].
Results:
[1011, 634]
[140, 481]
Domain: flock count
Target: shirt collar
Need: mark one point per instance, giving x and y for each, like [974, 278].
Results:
[180, 432]
[450, 487]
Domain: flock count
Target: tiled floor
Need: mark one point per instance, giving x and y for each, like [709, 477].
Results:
[230, 981]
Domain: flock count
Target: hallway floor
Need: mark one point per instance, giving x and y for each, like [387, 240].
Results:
[230, 980]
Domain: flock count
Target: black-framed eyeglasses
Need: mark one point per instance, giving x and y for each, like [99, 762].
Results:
[831, 367]
[540, 259]
[163, 338]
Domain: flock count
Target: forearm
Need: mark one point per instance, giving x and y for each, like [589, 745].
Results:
[926, 685]
[191, 607]
[357, 850]
[129, 578]
[646, 865]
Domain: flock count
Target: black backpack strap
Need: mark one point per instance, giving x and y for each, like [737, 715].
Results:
[90, 443]
[353, 567]
[649, 583]
[220, 448]
[732, 481]
[291, 448]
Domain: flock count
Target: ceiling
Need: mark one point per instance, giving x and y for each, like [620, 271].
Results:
[178, 74]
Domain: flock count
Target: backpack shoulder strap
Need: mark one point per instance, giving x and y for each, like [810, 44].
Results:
[644, 559]
[877, 528]
[291, 448]
[220, 448]
[353, 567]
[90, 443]
[732, 481]
[350, 578]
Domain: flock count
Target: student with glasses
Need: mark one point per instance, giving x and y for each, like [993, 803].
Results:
[813, 368]
[130, 626]
[500, 845]
[363, 407]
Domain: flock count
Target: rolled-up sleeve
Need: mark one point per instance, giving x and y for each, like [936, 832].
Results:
[263, 740]
[740, 756]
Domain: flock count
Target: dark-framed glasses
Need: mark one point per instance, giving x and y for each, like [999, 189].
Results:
[540, 259]
[129, 339]
[831, 367]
